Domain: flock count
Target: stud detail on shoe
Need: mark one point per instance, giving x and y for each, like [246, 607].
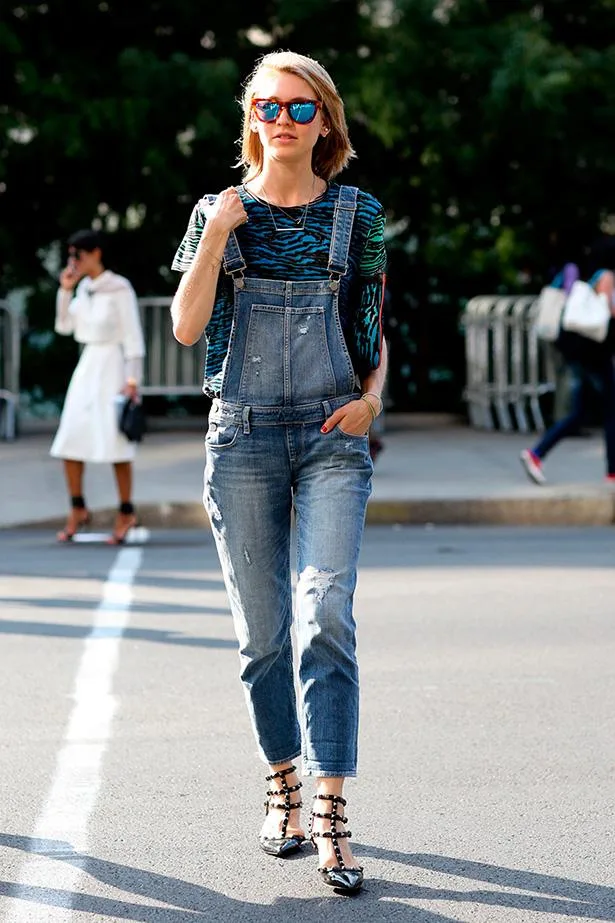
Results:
[343, 879]
[282, 846]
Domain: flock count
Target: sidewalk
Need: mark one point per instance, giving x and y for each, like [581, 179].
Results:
[434, 469]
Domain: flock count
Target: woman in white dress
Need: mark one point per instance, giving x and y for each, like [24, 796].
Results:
[99, 308]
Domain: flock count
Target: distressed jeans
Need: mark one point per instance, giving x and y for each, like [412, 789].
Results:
[252, 483]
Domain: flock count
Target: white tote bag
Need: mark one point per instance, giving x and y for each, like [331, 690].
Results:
[549, 310]
[586, 312]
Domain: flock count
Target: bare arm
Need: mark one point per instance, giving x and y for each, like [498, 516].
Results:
[374, 382]
[193, 303]
[356, 415]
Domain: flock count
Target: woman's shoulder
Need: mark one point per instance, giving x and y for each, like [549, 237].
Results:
[110, 283]
[368, 205]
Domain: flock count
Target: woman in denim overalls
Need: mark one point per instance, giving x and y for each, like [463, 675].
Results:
[292, 406]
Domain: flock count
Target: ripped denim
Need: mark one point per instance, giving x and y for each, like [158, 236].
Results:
[253, 482]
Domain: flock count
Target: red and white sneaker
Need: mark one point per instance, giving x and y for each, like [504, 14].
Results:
[532, 467]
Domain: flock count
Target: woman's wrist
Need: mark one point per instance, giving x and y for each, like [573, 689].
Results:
[373, 399]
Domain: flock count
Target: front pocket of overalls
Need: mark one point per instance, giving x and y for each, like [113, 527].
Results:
[221, 435]
[346, 435]
[286, 357]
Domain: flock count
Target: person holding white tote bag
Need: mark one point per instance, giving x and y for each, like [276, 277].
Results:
[587, 344]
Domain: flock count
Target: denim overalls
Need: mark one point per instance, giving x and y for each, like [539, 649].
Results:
[287, 369]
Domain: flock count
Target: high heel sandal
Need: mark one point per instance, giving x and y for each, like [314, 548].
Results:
[72, 527]
[126, 510]
[282, 846]
[347, 880]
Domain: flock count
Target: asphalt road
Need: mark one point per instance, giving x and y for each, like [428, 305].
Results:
[129, 784]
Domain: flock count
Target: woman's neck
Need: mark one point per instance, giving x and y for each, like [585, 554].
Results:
[286, 189]
[95, 273]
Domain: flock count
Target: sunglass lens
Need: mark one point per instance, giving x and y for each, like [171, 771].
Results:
[267, 111]
[303, 112]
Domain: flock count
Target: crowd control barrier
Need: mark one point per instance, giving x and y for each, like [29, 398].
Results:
[508, 369]
[169, 368]
[9, 370]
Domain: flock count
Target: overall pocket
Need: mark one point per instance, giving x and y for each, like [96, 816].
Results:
[221, 434]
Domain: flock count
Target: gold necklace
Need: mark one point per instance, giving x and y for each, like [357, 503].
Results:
[298, 223]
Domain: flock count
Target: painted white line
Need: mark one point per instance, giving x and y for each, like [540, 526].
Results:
[64, 820]
[137, 536]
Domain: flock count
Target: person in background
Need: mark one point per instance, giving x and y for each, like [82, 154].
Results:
[99, 309]
[286, 275]
[590, 368]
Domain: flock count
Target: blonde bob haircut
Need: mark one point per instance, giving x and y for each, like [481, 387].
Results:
[332, 153]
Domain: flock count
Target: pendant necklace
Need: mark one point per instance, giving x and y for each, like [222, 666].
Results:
[298, 223]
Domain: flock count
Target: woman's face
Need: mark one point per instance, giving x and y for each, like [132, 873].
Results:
[84, 262]
[284, 140]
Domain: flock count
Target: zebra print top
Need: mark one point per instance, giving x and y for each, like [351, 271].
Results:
[299, 257]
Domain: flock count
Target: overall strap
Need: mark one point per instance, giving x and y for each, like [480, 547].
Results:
[343, 219]
[233, 261]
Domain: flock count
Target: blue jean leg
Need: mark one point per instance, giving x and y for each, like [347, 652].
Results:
[248, 497]
[602, 381]
[332, 488]
[570, 423]
[609, 418]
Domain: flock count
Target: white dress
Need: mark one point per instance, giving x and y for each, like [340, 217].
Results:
[104, 316]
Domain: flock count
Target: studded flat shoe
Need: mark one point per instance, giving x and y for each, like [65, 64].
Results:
[282, 846]
[343, 879]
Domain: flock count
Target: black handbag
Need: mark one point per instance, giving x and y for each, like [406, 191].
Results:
[132, 420]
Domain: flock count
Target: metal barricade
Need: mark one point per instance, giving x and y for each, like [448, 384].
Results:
[508, 368]
[169, 368]
[9, 370]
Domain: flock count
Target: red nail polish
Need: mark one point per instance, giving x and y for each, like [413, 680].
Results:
[323, 429]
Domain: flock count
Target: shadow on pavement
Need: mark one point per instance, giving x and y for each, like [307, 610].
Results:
[186, 901]
[56, 630]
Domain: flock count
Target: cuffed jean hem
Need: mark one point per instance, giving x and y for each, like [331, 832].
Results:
[283, 759]
[309, 768]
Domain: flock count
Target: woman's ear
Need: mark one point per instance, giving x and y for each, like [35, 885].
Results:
[324, 131]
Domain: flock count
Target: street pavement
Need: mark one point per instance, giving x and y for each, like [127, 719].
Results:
[433, 469]
[130, 789]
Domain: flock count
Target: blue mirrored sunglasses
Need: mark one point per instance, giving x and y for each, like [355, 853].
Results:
[301, 111]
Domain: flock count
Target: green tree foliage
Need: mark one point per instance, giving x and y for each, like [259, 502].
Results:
[482, 125]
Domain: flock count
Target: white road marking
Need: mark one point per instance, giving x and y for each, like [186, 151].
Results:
[76, 782]
[137, 536]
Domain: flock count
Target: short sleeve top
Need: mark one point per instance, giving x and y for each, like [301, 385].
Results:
[296, 257]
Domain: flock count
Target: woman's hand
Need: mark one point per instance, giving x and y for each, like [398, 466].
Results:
[131, 390]
[353, 418]
[69, 276]
[227, 212]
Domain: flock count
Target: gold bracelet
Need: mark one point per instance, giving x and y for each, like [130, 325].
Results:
[371, 409]
[378, 398]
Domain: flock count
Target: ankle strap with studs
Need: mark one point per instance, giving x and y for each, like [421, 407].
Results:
[285, 791]
[334, 834]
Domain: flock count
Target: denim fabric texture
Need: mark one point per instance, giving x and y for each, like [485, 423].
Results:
[601, 380]
[268, 465]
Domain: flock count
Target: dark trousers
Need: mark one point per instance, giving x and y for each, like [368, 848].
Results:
[583, 381]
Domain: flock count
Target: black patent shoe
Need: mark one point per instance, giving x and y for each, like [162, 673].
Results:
[343, 879]
[282, 846]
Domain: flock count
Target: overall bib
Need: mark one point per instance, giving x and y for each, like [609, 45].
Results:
[286, 370]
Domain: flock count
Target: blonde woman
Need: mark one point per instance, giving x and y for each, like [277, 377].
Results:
[285, 274]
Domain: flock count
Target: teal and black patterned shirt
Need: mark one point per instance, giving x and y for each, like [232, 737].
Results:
[299, 257]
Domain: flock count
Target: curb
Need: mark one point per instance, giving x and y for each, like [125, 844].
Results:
[580, 510]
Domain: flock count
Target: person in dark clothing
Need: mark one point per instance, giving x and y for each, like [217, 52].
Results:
[591, 367]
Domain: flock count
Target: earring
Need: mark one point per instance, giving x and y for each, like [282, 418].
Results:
[325, 132]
